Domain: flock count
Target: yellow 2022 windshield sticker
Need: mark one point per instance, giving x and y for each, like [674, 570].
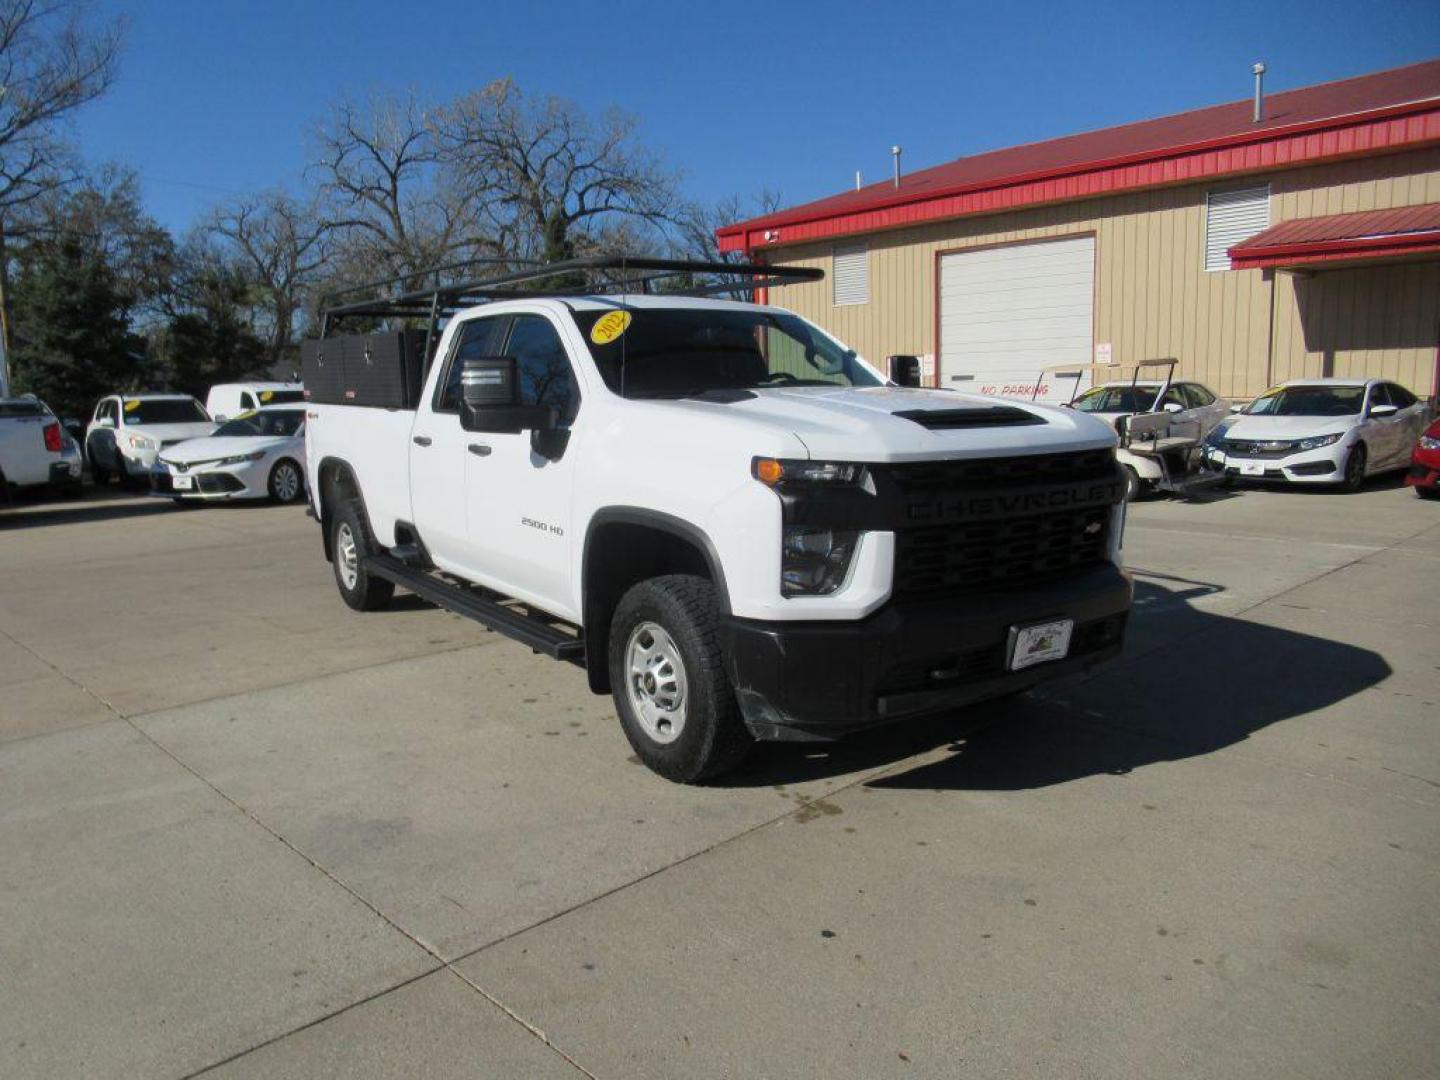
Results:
[609, 327]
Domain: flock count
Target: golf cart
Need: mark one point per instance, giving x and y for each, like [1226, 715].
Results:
[1162, 443]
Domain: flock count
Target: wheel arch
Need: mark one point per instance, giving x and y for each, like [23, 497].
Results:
[335, 479]
[625, 545]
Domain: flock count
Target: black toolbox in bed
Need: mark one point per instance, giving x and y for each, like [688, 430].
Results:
[384, 370]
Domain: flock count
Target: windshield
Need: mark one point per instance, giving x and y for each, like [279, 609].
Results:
[1309, 401]
[682, 352]
[280, 397]
[284, 422]
[1117, 399]
[163, 411]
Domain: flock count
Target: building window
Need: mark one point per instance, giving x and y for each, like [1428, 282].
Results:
[1230, 218]
[850, 276]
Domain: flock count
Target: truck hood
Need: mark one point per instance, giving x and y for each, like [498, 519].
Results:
[224, 446]
[170, 432]
[1285, 427]
[860, 423]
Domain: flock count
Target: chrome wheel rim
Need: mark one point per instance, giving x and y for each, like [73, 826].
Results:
[347, 559]
[656, 683]
[287, 482]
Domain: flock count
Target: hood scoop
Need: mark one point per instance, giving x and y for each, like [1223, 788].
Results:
[982, 416]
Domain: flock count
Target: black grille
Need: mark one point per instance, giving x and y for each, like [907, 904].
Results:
[987, 473]
[1006, 523]
[1001, 554]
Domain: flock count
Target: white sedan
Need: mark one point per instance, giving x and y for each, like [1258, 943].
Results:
[255, 455]
[1320, 431]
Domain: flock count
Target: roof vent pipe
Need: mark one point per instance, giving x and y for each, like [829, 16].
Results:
[895, 152]
[857, 179]
[1259, 72]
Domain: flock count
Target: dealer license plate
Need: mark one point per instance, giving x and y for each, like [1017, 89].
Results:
[1031, 645]
[182, 483]
[1252, 468]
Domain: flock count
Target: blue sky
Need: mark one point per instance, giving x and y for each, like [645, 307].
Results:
[217, 96]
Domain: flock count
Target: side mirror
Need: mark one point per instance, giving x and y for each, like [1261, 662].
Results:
[490, 399]
[905, 370]
[1173, 407]
[1382, 411]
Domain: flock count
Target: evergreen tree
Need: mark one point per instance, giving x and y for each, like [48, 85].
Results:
[72, 342]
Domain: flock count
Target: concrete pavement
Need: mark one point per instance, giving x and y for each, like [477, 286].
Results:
[247, 832]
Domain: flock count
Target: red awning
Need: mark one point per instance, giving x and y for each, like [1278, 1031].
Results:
[1370, 234]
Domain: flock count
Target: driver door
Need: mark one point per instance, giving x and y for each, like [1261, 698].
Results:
[520, 501]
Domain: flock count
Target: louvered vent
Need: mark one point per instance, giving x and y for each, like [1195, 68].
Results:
[1230, 218]
[851, 276]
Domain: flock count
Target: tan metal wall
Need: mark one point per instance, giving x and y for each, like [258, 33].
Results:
[1154, 297]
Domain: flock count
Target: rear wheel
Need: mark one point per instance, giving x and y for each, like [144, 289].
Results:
[350, 543]
[1426, 493]
[286, 482]
[675, 701]
[1355, 468]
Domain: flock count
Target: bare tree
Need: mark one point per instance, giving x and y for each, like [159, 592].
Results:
[548, 177]
[695, 223]
[51, 63]
[393, 201]
[281, 246]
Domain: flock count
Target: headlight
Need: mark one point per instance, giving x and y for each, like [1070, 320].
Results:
[1318, 441]
[240, 459]
[1427, 443]
[814, 561]
[139, 442]
[775, 471]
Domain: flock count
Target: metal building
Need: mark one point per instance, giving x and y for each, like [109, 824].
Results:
[1304, 242]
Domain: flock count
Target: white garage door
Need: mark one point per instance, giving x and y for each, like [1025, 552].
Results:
[1007, 312]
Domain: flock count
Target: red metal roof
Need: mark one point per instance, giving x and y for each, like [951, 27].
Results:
[1369, 234]
[1385, 111]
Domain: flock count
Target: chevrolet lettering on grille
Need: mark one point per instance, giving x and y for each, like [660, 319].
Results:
[1014, 503]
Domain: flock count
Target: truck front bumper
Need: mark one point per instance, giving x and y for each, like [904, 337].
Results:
[810, 681]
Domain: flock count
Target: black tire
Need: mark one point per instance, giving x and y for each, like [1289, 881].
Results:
[1426, 493]
[1134, 489]
[98, 472]
[1354, 468]
[280, 490]
[350, 543]
[711, 737]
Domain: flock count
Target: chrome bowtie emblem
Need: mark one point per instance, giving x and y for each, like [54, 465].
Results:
[1093, 528]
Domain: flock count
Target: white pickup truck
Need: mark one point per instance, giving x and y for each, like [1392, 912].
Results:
[35, 449]
[740, 529]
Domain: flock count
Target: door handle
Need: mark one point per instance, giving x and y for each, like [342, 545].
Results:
[421, 440]
[479, 449]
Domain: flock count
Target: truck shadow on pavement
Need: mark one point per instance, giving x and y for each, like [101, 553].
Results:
[1190, 683]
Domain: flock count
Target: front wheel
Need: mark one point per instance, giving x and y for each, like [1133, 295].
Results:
[286, 482]
[675, 701]
[1355, 468]
[350, 543]
[1133, 487]
[98, 472]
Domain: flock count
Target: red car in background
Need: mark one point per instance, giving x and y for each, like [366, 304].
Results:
[1424, 475]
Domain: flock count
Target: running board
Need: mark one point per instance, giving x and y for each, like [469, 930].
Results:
[526, 629]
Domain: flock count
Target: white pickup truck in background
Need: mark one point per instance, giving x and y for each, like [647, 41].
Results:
[35, 449]
[739, 527]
